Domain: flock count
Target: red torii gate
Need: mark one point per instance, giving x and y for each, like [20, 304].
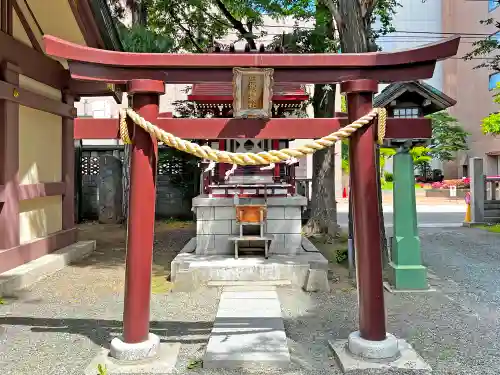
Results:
[145, 75]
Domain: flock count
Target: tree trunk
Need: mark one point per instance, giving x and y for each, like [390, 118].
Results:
[354, 33]
[385, 250]
[323, 219]
[352, 28]
[139, 17]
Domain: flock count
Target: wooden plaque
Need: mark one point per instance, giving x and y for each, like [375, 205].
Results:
[252, 92]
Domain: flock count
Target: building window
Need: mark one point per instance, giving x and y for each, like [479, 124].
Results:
[493, 4]
[494, 79]
[406, 112]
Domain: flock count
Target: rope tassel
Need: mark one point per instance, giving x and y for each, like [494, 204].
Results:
[210, 167]
[268, 167]
[230, 172]
[291, 161]
[248, 158]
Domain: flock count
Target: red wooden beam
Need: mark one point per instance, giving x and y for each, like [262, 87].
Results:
[430, 52]
[14, 93]
[32, 63]
[89, 64]
[216, 99]
[226, 128]
[121, 75]
[47, 189]
[85, 89]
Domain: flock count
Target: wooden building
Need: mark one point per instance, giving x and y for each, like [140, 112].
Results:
[216, 99]
[36, 128]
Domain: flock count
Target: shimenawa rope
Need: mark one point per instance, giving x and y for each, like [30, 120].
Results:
[248, 158]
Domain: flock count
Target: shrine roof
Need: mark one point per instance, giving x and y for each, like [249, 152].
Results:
[438, 100]
[222, 92]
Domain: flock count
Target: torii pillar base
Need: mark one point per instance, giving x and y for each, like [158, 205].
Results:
[371, 348]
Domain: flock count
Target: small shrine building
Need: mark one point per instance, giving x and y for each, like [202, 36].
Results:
[216, 99]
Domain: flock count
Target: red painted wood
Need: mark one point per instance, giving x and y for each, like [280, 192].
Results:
[68, 167]
[9, 163]
[222, 166]
[26, 252]
[47, 189]
[227, 128]
[71, 51]
[366, 221]
[276, 146]
[36, 101]
[141, 220]
[222, 92]
[121, 75]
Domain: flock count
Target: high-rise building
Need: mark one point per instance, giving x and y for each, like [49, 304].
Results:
[472, 88]
[425, 21]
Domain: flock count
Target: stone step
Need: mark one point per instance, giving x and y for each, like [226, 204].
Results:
[248, 284]
[248, 332]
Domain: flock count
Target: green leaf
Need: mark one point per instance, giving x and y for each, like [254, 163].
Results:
[448, 136]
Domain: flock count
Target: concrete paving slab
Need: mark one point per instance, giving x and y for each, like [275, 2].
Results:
[250, 294]
[408, 362]
[248, 332]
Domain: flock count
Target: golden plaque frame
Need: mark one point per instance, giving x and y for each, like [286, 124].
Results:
[245, 98]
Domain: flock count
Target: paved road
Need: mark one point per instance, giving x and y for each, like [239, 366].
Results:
[428, 215]
[467, 261]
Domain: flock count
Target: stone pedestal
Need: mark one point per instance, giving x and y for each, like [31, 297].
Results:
[406, 269]
[477, 188]
[110, 190]
[216, 222]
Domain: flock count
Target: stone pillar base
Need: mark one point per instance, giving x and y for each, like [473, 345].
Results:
[406, 361]
[134, 352]
[404, 277]
[384, 349]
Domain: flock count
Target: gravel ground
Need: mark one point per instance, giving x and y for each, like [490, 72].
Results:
[58, 326]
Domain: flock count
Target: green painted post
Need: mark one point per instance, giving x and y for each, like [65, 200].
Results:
[406, 269]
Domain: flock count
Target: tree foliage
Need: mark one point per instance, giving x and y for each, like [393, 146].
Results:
[491, 124]
[193, 25]
[448, 136]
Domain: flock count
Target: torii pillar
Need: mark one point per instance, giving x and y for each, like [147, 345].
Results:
[371, 341]
[137, 342]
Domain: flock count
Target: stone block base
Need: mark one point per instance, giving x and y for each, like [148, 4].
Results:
[123, 351]
[392, 289]
[163, 363]
[216, 222]
[408, 277]
[308, 270]
[407, 362]
[317, 281]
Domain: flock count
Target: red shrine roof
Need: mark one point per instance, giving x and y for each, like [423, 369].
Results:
[222, 92]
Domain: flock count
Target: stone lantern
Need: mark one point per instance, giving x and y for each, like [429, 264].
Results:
[407, 100]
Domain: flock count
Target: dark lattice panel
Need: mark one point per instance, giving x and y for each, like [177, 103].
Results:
[90, 164]
[170, 167]
[90, 160]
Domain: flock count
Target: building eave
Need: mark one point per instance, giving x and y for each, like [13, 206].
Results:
[440, 100]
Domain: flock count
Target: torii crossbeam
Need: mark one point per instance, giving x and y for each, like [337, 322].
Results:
[359, 74]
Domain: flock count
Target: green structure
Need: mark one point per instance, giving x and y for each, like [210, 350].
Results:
[408, 100]
[406, 269]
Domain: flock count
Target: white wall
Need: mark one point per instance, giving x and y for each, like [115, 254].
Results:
[426, 19]
[416, 16]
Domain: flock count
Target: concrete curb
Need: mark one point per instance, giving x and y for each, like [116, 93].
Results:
[27, 274]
